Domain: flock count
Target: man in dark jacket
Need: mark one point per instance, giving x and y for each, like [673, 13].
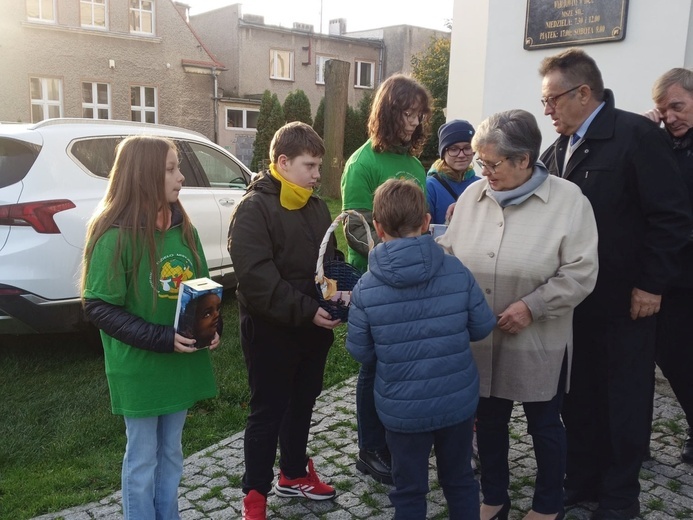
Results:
[625, 167]
[672, 94]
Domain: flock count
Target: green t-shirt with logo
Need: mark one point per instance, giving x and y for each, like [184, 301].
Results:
[367, 169]
[144, 383]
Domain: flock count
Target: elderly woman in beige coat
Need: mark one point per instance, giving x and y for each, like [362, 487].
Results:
[530, 239]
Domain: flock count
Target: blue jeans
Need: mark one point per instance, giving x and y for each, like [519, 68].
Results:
[153, 466]
[453, 450]
[371, 431]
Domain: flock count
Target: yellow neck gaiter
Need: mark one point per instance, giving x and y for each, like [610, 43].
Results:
[292, 196]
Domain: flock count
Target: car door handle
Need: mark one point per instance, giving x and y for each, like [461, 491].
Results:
[227, 202]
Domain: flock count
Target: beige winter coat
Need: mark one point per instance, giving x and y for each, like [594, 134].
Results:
[543, 252]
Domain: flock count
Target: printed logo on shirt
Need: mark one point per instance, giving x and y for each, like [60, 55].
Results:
[404, 176]
[175, 269]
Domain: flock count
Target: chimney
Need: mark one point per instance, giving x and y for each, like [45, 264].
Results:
[305, 27]
[337, 27]
[183, 9]
[254, 18]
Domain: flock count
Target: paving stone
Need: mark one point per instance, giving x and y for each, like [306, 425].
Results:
[667, 483]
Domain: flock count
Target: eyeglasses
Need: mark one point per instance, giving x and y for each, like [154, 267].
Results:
[419, 118]
[490, 167]
[454, 151]
[552, 101]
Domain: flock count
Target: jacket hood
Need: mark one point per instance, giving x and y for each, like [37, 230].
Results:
[264, 182]
[404, 262]
[176, 217]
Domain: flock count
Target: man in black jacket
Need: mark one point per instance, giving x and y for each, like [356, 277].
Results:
[625, 166]
[672, 94]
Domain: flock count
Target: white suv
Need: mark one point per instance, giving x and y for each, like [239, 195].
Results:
[53, 174]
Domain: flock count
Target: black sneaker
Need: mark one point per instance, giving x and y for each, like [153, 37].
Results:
[377, 464]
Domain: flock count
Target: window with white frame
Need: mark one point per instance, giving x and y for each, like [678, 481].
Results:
[242, 118]
[143, 106]
[46, 98]
[281, 65]
[93, 13]
[40, 10]
[320, 62]
[96, 100]
[364, 74]
[142, 16]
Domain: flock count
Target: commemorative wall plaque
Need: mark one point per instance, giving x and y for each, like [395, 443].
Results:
[556, 23]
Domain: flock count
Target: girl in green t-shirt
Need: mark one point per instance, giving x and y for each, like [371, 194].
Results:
[398, 127]
[140, 246]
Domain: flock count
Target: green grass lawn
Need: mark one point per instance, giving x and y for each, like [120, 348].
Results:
[62, 447]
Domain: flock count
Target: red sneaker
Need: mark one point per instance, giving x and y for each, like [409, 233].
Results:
[254, 506]
[305, 487]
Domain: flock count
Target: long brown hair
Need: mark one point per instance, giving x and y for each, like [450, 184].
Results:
[135, 193]
[395, 95]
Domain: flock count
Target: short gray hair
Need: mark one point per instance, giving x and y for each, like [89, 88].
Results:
[677, 76]
[514, 133]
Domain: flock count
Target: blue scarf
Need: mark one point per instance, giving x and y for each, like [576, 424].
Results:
[523, 191]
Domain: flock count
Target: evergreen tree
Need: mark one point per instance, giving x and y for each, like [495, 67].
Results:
[261, 144]
[431, 68]
[297, 108]
[319, 122]
[270, 119]
[355, 126]
[430, 150]
[363, 112]
[353, 132]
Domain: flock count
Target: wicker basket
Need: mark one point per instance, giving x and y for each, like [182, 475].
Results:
[335, 279]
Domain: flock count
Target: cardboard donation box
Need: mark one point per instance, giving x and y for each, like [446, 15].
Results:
[198, 310]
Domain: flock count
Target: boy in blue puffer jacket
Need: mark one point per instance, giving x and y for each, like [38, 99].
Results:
[413, 314]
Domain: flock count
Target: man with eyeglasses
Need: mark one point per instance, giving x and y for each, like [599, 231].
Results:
[450, 175]
[625, 167]
[672, 94]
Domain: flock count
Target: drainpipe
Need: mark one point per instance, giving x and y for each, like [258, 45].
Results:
[215, 100]
[380, 65]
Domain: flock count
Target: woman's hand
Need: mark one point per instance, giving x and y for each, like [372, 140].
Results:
[215, 342]
[185, 345]
[449, 212]
[515, 318]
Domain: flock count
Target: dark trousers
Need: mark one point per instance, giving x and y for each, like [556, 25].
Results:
[285, 371]
[675, 345]
[453, 450]
[548, 437]
[371, 432]
[607, 412]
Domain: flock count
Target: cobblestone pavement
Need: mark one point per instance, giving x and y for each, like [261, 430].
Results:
[210, 488]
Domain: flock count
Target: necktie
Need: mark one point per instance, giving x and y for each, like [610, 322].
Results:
[574, 139]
